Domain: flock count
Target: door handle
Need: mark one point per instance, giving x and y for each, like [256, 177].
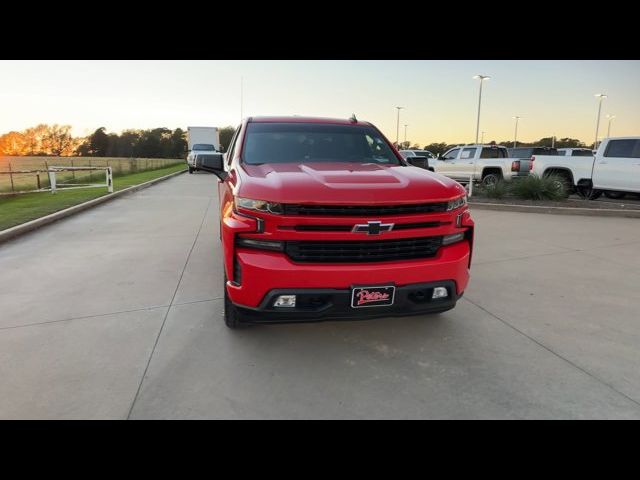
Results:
[603, 163]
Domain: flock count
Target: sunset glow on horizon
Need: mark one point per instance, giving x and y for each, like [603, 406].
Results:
[439, 97]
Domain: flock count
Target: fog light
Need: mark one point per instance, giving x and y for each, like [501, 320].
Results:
[288, 301]
[453, 238]
[439, 292]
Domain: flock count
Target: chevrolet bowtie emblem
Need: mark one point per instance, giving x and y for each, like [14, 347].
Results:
[373, 228]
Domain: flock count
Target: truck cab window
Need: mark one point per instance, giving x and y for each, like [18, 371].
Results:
[581, 153]
[468, 153]
[623, 149]
[450, 155]
[488, 152]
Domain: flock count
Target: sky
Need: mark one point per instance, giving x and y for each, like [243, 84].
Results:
[440, 97]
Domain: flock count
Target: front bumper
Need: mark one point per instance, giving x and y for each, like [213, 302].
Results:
[263, 272]
[335, 304]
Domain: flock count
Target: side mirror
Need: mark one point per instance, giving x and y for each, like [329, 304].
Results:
[213, 162]
[421, 162]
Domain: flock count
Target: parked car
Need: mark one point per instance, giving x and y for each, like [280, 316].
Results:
[201, 141]
[323, 218]
[488, 164]
[614, 170]
[416, 153]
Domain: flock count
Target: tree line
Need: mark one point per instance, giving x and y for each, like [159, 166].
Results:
[56, 140]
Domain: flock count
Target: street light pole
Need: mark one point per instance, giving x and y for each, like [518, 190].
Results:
[610, 117]
[600, 97]
[398, 127]
[481, 78]
[405, 133]
[515, 135]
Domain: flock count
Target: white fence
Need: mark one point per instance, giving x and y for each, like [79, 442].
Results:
[54, 185]
[70, 186]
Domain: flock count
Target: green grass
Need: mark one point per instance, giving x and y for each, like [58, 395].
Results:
[18, 209]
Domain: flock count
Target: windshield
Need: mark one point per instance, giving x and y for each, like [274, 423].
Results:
[312, 142]
[204, 146]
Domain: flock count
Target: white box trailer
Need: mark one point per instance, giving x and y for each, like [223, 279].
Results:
[201, 140]
[203, 136]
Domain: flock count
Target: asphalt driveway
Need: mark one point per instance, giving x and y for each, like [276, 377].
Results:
[117, 313]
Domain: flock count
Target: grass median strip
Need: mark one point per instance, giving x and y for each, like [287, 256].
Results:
[18, 209]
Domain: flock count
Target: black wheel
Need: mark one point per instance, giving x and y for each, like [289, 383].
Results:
[490, 179]
[232, 317]
[563, 184]
[588, 192]
[614, 195]
[190, 170]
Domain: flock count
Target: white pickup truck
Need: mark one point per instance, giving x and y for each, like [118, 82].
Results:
[482, 163]
[614, 170]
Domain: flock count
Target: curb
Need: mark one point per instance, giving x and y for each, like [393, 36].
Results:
[53, 217]
[590, 212]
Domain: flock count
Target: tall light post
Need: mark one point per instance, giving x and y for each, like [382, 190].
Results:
[405, 133]
[610, 117]
[398, 127]
[515, 135]
[482, 78]
[600, 97]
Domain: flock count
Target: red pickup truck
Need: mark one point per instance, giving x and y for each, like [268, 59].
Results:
[323, 219]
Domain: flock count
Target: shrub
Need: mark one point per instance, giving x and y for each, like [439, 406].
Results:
[497, 190]
[533, 187]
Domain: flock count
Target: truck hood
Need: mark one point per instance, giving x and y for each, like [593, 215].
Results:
[343, 183]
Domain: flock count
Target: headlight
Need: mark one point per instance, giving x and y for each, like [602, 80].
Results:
[457, 203]
[259, 205]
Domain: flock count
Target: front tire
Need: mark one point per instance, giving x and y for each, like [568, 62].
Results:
[190, 169]
[232, 317]
[490, 179]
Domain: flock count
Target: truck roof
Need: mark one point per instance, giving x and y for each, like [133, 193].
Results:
[476, 145]
[299, 119]
[621, 138]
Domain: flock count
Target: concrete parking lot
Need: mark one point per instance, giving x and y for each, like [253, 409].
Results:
[117, 313]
